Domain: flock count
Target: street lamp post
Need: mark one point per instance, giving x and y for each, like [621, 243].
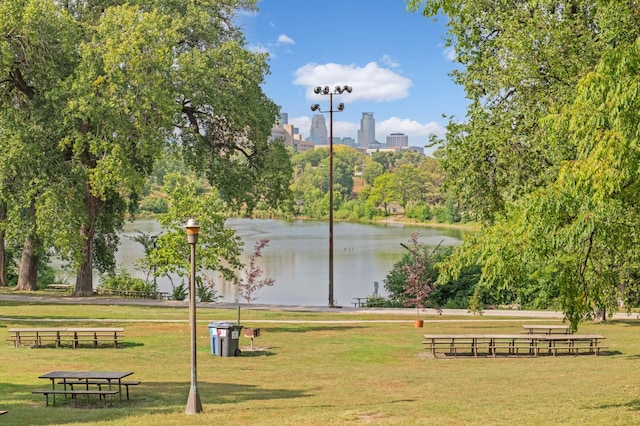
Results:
[193, 402]
[315, 107]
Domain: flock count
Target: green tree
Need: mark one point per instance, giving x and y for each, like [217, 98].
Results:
[576, 238]
[519, 63]
[371, 171]
[545, 155]
[36, 54]
[218, 248]
[110, 85]
[410, 184]
[384, 192]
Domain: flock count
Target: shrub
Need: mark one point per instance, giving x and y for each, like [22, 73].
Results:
[121, 280]
[179, 292]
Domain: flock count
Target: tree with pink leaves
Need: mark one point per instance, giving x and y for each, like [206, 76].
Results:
[252, 283]
[419, 283]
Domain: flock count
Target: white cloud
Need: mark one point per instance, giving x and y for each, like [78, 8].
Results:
[258, 48]
[284, 39]
[449, 53]
[388, 61]
[369, 83]
[418, 132]
[302, 123]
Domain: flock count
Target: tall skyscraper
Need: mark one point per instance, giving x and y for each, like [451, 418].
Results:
[318, 132]
[367, 132]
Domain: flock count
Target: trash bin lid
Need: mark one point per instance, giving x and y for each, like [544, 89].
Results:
[221, 324]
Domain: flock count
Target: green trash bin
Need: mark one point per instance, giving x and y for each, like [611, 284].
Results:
[225, 337]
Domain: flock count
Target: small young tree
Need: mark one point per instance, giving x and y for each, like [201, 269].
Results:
[419, 283]
[249, 287]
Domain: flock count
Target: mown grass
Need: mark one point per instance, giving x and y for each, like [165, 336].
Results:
[321, 373]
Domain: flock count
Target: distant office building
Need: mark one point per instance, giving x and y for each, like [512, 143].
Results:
[318, 130]
[290, 135]
[284, 119]
[397, 141]
[367, 132]
[344, 141]
[375, 145]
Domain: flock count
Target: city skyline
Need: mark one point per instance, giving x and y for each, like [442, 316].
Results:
[395, 61]
[319, 135]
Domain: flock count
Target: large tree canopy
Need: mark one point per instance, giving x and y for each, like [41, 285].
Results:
[520, 61]
[550, 152]
[105, 86]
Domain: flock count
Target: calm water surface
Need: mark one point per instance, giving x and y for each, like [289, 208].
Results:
[297, 257]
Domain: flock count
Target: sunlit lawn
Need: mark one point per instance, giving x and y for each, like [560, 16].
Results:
[310, 373]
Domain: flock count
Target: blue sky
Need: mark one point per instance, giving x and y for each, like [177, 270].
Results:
[395, 61]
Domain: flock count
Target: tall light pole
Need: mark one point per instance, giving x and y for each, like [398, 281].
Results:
[315, 107]
[193, 402]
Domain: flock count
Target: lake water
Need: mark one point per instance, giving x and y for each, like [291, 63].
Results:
[297, 257]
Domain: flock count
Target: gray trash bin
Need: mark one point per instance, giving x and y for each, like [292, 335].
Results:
[225, 337]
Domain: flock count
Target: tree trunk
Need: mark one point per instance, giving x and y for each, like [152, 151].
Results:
[3, 250]
[28, 273]
[84, 278]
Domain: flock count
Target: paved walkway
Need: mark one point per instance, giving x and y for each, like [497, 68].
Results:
[426, 314]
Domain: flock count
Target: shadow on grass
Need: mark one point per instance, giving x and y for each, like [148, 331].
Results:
[121, 345]
[633, 405]
[631, 322]
[257, 352]
[150, 397]
[229, 393]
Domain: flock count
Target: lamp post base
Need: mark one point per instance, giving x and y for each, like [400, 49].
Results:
[194, 405]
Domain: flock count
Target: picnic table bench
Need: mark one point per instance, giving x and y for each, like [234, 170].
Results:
[99, 383]
[546, 329]
[109, 379]
[60, 287]
[38, 337]
[102, 394]
[512, 344]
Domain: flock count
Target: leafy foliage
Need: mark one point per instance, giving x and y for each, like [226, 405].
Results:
[419, 280]
[91, 95]
[121, 280]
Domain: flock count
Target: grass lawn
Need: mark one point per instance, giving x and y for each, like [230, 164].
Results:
[314, 369]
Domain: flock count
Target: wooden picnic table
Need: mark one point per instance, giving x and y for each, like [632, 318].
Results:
[513, 344]
[64, 287]
[547, 329]
[73, 335]
[35, 335]
[360, 302]
[86, 378]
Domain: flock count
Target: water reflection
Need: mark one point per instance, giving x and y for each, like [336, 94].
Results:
[297, 257]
